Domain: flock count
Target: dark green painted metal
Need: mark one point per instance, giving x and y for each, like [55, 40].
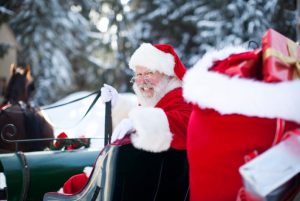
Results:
[48, 171]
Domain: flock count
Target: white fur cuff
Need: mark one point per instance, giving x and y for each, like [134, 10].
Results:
[152, 129]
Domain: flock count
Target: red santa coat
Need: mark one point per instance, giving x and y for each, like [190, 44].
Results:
[231, 118]
[164, 126]
[157, 129]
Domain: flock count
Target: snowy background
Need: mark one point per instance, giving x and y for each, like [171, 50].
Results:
[77, 45]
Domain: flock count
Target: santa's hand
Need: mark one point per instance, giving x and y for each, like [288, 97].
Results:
[108, 93]
[123, 128]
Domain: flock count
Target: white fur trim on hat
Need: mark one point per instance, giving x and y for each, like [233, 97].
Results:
[152, 58]
[234, 95]
[61, 191]
[87, 171]
[152, 129]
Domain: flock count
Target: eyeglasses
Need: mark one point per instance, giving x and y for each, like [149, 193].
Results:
[147, 77]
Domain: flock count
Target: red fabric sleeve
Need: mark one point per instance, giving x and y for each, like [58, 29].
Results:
[178, 113]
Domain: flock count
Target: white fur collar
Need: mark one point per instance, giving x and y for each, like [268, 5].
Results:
[173, 84]
[233, 95]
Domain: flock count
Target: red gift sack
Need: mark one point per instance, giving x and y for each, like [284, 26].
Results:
[234, 113]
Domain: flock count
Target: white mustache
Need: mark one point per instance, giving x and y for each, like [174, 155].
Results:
[146, 85]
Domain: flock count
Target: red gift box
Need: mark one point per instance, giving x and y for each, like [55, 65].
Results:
[281, 57]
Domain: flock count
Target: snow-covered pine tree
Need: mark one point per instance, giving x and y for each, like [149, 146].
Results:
[5, 14]
[110, 21]
[51, 35]
[167, 21]
[194, 27]
[59, 38]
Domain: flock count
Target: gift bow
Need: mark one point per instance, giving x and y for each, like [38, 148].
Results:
[292, 59]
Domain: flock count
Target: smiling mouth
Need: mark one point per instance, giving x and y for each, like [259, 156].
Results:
[146, 89]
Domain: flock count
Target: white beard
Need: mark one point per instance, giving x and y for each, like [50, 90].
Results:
[160, 90]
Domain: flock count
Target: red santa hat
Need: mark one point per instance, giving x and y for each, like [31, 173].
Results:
[159, 57]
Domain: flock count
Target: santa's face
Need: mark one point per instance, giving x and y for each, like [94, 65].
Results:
[147, 80]
[149, 86]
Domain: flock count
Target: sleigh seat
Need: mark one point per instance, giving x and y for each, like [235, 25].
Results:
[124, 173]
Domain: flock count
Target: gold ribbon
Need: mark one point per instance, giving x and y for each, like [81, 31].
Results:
[292, 60]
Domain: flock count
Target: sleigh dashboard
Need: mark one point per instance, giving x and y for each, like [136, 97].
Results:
[28, 176]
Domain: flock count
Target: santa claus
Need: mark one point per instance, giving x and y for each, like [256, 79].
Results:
[160, 120]
[234, 115]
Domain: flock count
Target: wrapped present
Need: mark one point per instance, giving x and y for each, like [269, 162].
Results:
[275, 174]
[281, 57]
